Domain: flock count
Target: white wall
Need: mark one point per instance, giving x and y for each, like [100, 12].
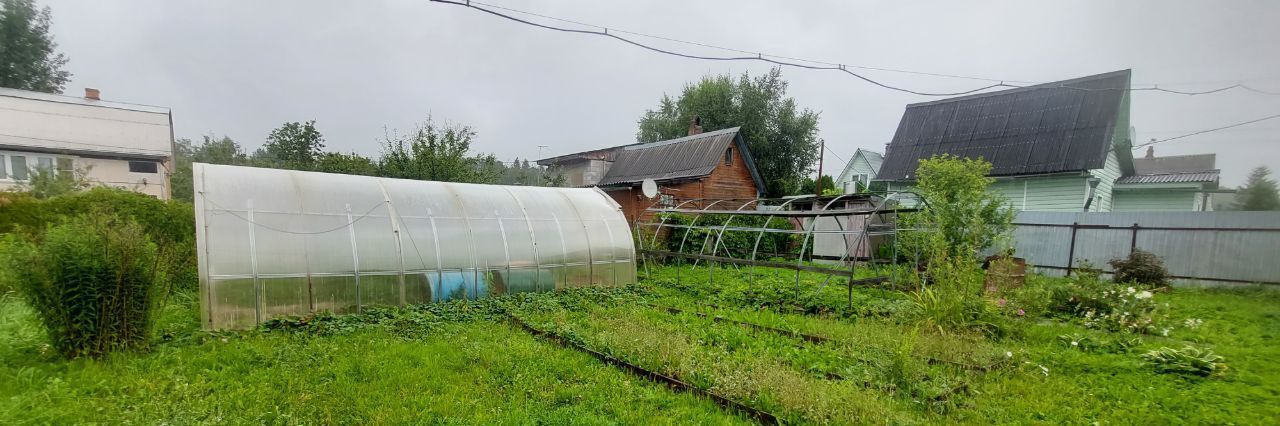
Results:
[100, 137]
[97, 171]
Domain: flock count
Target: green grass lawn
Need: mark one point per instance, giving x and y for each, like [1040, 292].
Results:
[430, 365]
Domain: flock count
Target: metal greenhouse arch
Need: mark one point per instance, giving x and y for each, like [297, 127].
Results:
[848, 225]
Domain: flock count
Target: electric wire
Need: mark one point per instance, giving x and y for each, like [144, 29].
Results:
[823, 65]
[758, 57]
[1269, 117]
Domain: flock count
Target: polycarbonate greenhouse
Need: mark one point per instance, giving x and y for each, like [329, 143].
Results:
[282, 242]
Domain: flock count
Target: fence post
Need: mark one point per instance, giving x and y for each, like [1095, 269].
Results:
[1071, 252]
[1133, 240]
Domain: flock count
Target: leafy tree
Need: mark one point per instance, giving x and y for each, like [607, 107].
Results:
[966, 217]
[28, 59]
[1259, 192]
[211, 150]
[436, 152]
[293, 145]
[808, 186]
[349, 164]
[782, 137]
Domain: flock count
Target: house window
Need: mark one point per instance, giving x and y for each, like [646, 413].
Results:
[19, 163]
[142, 167]
[44, 163]
[65, 167]
[4, 168]
[728, 156]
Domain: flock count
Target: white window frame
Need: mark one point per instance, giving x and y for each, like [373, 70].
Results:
[32, 161]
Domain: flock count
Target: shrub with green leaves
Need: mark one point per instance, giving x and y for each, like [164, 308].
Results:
[1188, 360]
[169, 224]
[1106, 306]
[739, 243]
[90, 279]
[1140, 267]
[963, 218]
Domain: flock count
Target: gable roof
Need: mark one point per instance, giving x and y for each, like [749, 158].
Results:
[1048, 128]
[1196, 168]
[687, 157]
[871, 159]
[1175, 164]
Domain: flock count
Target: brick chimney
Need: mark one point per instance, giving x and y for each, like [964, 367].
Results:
[91, 93]
[695, 126]
[1151, 152]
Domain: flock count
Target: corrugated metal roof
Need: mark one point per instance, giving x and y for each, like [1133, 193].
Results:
[690, 156]
[1048, 128]
[1175, 164]
[1195, 177]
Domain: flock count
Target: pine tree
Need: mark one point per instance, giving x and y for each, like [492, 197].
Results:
[28, 59]
[1259, 192]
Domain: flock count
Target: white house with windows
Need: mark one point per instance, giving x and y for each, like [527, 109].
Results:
[862, 168]
[109, 143]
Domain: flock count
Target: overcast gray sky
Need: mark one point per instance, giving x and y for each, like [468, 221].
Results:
[241, 68]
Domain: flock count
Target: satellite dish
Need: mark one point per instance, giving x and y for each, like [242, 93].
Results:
[649, 188]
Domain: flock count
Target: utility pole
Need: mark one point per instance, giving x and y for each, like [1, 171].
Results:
[541, 174]
[822, 149]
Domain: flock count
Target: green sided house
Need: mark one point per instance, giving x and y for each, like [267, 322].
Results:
[1061, 146]
[1170, 183]
[861, 170]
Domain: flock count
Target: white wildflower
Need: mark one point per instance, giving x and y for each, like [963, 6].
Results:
[1193, 323]
[1008, 354]
[1044, 370]
[1075, 343]
[1144, 295]
[1129, 290]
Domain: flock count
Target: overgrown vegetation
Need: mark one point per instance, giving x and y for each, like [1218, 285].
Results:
[170, 225]
[1140, 267]
[962, 219]
[90, 279]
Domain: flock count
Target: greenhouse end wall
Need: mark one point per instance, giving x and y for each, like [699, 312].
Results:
[275, 242]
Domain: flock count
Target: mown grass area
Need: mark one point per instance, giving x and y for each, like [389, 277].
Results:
[424, 368]
[463, 363]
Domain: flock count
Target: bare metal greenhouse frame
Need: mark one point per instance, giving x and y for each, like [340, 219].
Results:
[835, 234]
[275, 242]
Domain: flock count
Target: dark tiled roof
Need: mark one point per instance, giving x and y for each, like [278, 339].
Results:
[1193, 177]
[1175, 164]
[1048, 128]
[687, 157]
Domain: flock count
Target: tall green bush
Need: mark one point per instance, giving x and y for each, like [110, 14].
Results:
[962, 219]
[169, 224]
[90, 279]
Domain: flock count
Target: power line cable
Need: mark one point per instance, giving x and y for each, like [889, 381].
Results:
[1153, 142]
[824, 65]
[758, 57]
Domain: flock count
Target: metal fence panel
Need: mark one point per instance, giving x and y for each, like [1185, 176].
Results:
[1197, 247]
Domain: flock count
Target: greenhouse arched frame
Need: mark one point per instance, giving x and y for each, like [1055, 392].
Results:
[274, 243]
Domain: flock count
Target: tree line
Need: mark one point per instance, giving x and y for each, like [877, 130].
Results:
[431, 151]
